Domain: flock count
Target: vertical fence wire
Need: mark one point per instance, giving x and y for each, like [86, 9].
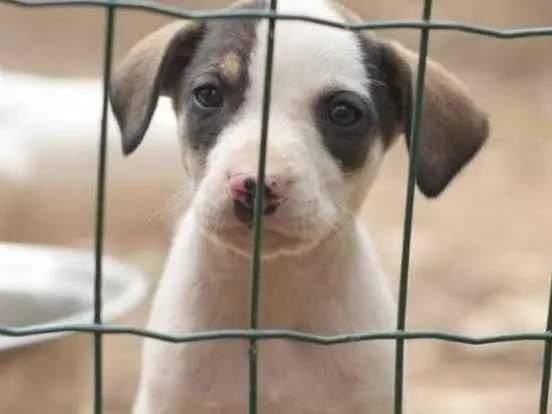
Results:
[100, 209]
[547, 360]
[256, 266]
[413, 138]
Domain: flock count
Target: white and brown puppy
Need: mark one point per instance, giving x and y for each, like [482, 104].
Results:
[339, 101]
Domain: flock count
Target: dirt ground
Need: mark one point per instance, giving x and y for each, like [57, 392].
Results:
[482, 253]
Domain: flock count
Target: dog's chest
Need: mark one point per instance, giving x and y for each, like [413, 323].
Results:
[293, 378]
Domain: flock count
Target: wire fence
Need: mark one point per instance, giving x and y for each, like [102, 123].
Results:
[97, 329]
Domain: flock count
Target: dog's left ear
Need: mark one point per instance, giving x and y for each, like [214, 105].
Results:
[150, 69]
[453, 128]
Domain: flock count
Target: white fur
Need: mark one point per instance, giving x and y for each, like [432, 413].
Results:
[320, 274]
[337, 287]
[49, 135]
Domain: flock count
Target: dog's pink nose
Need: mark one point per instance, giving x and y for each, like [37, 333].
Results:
[243, 189]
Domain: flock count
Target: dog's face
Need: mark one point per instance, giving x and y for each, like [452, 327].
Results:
[339, 100]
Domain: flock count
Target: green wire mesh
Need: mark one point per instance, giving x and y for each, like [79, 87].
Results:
[97, 329]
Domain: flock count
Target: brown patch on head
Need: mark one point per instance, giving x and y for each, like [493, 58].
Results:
[230, 67]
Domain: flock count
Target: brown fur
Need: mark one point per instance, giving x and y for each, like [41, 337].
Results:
[453, 127]
[143, 75]
[230, 67]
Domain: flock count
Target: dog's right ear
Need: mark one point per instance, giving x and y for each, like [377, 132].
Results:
[453, 127]
[150, 69]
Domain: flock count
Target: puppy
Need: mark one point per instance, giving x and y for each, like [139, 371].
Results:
[339, 101]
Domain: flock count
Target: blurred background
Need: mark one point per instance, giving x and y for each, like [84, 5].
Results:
[482, 253]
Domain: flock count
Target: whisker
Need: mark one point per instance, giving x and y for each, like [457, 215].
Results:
[177, 202]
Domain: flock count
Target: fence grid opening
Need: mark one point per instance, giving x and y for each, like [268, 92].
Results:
[97, 329]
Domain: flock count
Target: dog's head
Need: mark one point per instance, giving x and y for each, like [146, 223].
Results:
[339, 100]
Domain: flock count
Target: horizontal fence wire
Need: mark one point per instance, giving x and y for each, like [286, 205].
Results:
[180, 12]
[274, 334]
[253, 334]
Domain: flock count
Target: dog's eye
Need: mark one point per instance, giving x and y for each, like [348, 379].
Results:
[343, 113]
[208, 96]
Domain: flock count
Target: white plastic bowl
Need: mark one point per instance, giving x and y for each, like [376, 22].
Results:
[50, 285]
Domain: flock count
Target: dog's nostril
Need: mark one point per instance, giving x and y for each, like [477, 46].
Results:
[243, 190]
[250, 184]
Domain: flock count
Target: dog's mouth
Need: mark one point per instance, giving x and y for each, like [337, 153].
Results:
[287, 227]
[278, 237]
[246, 215]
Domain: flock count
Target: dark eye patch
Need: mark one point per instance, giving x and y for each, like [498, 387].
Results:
[220, 64]
[209, 105]
[387, 99]
[381, 115]
[346, 122]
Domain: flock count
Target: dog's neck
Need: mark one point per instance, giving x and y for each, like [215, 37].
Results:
[318, 290]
